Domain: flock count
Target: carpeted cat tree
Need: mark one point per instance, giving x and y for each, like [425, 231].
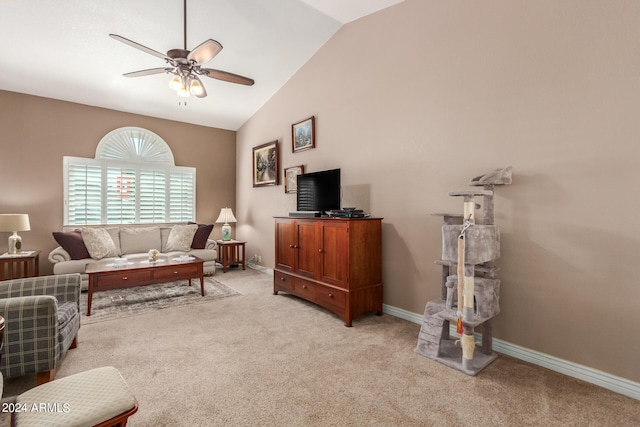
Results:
[470, 297]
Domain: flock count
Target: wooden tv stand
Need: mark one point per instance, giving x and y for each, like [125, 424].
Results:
[333, 262]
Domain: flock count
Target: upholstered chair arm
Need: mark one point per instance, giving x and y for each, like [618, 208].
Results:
[30, 336]
[64, 287]
[59, 255]
[211, 244]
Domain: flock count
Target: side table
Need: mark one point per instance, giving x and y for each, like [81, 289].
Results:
[230, 252]
[20, 265]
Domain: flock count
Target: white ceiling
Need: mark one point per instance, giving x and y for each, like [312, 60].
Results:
[62, 50]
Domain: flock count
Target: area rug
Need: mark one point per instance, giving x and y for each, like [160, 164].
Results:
[118, 303]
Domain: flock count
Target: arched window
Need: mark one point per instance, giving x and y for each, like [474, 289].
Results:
[131, 180]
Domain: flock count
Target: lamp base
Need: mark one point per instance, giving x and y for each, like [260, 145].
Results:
[15, 243]
[226, 232]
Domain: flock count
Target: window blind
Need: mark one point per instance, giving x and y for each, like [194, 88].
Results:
[104, 192]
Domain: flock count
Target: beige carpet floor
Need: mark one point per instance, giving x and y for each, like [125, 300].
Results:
[263, 360]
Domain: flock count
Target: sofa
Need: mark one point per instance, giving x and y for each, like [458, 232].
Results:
[81, 246]
[42, 319]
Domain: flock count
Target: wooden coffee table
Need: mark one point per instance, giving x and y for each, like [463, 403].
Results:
[106, 275]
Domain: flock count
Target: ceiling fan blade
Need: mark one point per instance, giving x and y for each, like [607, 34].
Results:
[148, 72]
[205, 51]
[227, 77]
[141, 47]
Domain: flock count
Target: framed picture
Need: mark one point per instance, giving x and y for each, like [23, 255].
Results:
[291, 178]
[265, 164]
[303, 135]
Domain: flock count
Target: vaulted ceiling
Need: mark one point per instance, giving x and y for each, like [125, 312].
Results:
[62, 50]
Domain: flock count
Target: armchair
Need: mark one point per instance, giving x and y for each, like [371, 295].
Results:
[42, 319]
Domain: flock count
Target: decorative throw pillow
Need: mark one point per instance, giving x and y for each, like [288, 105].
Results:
[139, 239]
[180, 237]
[201, 236]
[72, 243]
[99, 242]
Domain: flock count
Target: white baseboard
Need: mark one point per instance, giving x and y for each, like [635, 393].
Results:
[590, 375]
[260, 268]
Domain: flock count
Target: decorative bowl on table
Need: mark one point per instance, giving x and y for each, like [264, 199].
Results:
[153, 255]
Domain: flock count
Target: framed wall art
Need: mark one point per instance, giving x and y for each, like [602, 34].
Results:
[265, 164]
[291, 178]
[303, 135]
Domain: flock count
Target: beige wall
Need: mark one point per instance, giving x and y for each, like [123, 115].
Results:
[35, 133]
[414, 101]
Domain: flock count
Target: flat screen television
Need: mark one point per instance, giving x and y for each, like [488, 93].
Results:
[319, 191]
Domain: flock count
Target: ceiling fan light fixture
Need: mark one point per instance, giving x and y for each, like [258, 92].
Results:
[195, 87]
[183, 91]
[175, 83]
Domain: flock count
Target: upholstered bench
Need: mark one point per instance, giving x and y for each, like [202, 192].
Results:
[98, 397]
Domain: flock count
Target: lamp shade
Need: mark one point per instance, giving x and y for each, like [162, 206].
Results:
[16, 222]
[226, 216]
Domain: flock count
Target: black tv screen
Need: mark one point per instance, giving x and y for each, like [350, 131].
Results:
[319, 191]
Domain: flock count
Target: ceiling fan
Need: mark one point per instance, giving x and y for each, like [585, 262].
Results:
[186, 66]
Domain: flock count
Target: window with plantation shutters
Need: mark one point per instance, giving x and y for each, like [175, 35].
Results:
[132, 180]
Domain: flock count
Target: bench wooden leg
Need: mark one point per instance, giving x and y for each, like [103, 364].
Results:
[45, 377]
[74, 343]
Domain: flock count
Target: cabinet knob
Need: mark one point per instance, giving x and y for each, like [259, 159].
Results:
[319, 250]
[124, 277]
[282, 278]
[330, 295]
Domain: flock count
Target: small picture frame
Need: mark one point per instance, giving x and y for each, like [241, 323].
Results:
[291, 178]
[265, 164]
[303, 135]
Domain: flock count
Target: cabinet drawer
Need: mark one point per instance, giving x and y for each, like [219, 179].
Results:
[329, 296]
[133, 277]
[305, 289]
[177, 271]
[282, 282]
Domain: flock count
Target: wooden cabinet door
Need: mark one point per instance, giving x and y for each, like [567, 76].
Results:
[307, 249]
[334, 251]
[286, 241]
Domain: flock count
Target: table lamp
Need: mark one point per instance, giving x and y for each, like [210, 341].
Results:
[14, 223]
[226, 216]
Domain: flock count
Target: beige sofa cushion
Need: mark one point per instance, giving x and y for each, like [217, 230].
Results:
[139, 240]
[180, 238]
[99, 243]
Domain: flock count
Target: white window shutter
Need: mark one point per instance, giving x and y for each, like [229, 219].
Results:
[153, 196]
[182, 195]
[83, 192]
[121, 195]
